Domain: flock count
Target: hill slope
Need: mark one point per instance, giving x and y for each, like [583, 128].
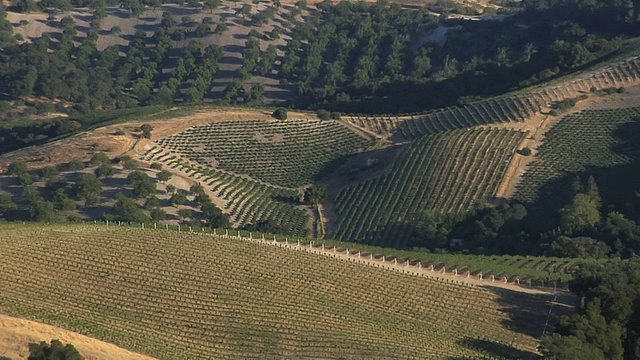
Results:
[190, 295]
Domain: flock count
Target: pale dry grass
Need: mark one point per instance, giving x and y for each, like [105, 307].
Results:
[16, 334]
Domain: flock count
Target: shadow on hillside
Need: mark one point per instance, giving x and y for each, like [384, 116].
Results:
[493, 349]
[617, 184]
[526, 314]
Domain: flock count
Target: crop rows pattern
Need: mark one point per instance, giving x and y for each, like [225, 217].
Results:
[188, 295]
[563, 150]
[446, 172]
[505, 109]
[283, 153]
[498, 110]
[247, 201]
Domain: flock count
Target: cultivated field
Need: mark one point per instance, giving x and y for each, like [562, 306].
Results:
[447, 172]
[191, 295]
[583, 142]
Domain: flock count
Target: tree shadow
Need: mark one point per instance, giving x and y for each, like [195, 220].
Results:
[493, 349]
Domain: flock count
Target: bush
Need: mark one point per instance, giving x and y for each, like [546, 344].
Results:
[324, 115]
[526, 151]
[76, 164]
[156, 166]
[280, 114]
[56, 350]
[99, 158]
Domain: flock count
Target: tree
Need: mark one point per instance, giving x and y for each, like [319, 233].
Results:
[581, 215]
[7, 205]
[212, 4]
[156, 166]
[41, 210]
[164, 176]
[99, 158]
[579, 247]
[143, 185]
[105, 171]
[89, 188]
[128, 162]
[315, 194]
[185, 213]
[146, 130]
[178, 198]
[214, 216]
[126, 210]
[55, 351]
[280, 114]
[167, 21]
[17, 168]
[76, 164]
[158, 214]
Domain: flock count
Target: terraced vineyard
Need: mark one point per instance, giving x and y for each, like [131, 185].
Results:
[191, 295]
[283, 153]
[514, 108]
[563, 153]
[446, 172]
[246, 201]
[482, 113]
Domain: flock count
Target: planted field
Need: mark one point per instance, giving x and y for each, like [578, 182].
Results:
[516, 108]
[448, 172]
[283, 153]
[247, 201]
[188, 295]
[579, 143]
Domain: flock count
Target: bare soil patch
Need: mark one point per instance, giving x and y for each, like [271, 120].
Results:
[16, 334]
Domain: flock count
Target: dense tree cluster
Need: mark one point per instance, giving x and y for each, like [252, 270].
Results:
[606, 325]
[54, 351]
[353, 55]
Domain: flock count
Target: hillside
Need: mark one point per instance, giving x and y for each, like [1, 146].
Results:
[174, 295]
[16, 334]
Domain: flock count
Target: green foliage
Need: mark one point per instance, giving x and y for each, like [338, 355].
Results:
[143, 185]
[99, 158]
[76, 164]
[156, 166]
[164, 176]
[41, 210]
[315, 194]
[579, 247]
[146, 130]
[583, 214]
[54, 351]
[178, 198]
[604, 327]
[7, 205]
[105, 171]
[88, 188]
[280, 114]
[129, 163]
[17, 168]
[214, 216]
[127, 210]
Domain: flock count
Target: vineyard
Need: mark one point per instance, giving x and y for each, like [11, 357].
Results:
[283, 153]
[514, 108]
[564, 152]
[191, 295]
[448, 172]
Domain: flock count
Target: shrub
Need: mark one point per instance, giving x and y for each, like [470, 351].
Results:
[156, 166]
[280, 114]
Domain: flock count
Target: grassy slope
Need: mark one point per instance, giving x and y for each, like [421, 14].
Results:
[181, 296]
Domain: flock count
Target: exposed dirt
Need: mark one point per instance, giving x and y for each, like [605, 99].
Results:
[16, 334]
[84, 145]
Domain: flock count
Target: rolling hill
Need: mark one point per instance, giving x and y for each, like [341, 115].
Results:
[175, 295]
